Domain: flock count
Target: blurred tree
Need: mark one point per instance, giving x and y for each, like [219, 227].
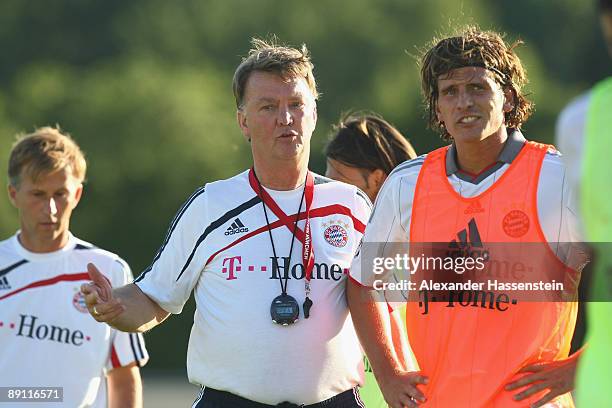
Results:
[145, 87]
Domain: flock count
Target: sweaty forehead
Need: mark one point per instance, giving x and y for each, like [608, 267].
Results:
[45, 177]
[466, 74]
[265, 85]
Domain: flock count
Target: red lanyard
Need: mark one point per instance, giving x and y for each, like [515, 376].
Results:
[303, 236]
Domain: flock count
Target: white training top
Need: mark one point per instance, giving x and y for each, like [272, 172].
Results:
[390, 221]
[47, 337]
[219, 244]
[570, 136]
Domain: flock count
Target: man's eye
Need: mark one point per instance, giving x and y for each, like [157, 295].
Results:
[448, 91]
[297, 104]
[267, 107]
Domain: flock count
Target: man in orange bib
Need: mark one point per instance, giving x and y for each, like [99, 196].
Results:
[494, 210]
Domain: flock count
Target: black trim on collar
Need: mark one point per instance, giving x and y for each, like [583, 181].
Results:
[321, 179]
[479, 178]
[511, 149]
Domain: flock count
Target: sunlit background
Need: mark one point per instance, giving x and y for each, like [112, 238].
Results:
[145, 89]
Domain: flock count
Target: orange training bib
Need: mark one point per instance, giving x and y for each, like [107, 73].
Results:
[471, 344]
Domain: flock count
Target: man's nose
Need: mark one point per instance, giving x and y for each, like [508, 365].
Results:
[51, 206]
[284, 117]
[465, 100]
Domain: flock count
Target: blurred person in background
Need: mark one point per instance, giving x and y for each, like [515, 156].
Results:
[489, 186]
[265, 253]
[47, 336]
[363, 150]
[584, 135]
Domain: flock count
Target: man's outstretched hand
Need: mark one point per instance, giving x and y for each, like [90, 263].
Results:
[101, 303]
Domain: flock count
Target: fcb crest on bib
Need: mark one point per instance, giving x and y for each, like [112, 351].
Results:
[335, 233]
[78, 301]
[516, 223]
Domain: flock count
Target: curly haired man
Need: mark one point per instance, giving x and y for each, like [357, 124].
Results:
[490, 191]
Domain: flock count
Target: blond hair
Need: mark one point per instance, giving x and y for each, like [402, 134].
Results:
[45, 151]
[268, 56]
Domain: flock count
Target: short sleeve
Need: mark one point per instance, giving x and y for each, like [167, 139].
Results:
[361, 211]
[570, 135]
[558, 213]
[174, 272]
[126, 348]
[384, 234]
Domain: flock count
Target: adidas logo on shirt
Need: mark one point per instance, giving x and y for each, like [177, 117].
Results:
[4, 283]
[467, 237]
[474, 208]
[469, 245]
[237, 227]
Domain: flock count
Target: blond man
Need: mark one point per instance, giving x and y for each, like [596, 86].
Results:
[265, 253]
[50, 345]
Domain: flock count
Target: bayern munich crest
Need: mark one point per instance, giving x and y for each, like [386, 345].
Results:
[335, 233]
[78, 301]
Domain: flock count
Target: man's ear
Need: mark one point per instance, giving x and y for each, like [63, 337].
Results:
[12, 192]
[509, 99]
[78, 194]
[243, 123]
[377, 178]
[438, 112]
[374, 182]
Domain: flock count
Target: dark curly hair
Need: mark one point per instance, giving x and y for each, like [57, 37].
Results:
[473, 47]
